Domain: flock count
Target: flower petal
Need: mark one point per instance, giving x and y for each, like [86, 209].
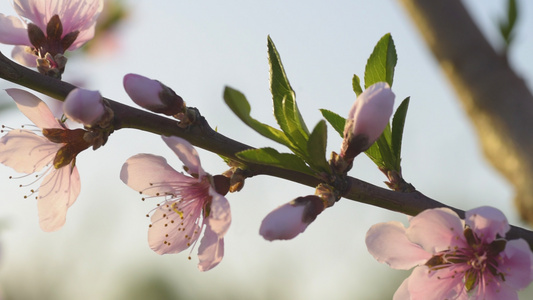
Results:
[388, 243]
[151, 175]
[517, 264]
[169, 232]
[436, 230]
[24, 57]
[26, 152]
[402, 293]
[211, 250]
[219, 218]
[57, 193]
[283, 223]
[13, 31]
[440, 284]
[186, 153]
[34, 108]
[487, 222]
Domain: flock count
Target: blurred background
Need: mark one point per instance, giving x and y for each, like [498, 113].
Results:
[197, 48]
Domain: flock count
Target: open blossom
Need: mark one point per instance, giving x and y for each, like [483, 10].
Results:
[454, 259]
[53, 155]
[49, 28]
[191, 204]
[368, 117]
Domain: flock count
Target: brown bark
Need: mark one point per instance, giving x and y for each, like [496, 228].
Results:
[495, 98]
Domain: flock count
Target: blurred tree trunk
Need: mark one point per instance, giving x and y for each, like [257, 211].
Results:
[496, 99]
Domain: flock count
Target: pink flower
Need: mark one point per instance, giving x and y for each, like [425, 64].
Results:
[291, 219]
[454, 259]
[53, 154]
[367, 119]
[191, 203]
[153, 95]
[42, 33]
[84, 106]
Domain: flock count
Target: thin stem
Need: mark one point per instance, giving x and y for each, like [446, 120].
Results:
[202, 135]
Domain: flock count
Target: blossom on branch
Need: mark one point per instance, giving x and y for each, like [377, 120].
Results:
[454, 259]
[192, 203]
[53, 155]
[368, 117]
[291, 219]
[49, 28]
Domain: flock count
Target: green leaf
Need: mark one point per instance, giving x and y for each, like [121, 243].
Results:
[285, 108]
[507, 26]
[239, 105]
[270, 156]
[356, 84]
[381, 63]
[398, 122]
[316, 148]
[335, 120]
[380, 152]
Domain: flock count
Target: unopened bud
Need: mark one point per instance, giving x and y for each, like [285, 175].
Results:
[84, 106]
[291, 219]
[153, 95]
[367, 119]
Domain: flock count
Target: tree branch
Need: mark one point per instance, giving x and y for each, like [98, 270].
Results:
[496, 99]
[203, 136]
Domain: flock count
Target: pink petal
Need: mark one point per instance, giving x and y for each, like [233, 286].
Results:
[487, 222]
[423, 286]
[21, 55]
[84, 106]
[57, 193]
[34, 108]
[388, 243]
[283, 223]
[495, 291]
[372, 110]
[169, 233]
[13, 31]
[211, 250]
[402, 293]
[436, 230]
[186, 153]
[143, 91]
[219, 218]
[517, 264]
[151, 175]
[26, 152]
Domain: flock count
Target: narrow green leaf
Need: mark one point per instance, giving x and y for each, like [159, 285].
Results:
[270, 156]
[286, 110]
[507, 25]
[316, 147]
[380, 152]
[336, 121]
[381, 63]
[239, 105]
[356, 84]
[398, 122]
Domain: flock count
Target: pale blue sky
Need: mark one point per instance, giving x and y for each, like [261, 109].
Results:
[198, 47]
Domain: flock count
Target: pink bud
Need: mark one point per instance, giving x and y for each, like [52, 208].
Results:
[84, 106]
[291, 219]
[153, 95]
[367, 119]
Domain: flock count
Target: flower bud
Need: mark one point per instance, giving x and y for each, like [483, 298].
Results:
[291, 219]
[84, 106]
[153, 95]
[367, 119]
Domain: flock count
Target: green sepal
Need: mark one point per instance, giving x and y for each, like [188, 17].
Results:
[507, 25]
[381, 63]
[316, 147]
[336, 121]
[270, 156]
[286, 110]
[239, 105]
[356, 85]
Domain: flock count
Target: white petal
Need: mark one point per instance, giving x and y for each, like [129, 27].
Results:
[34, 108]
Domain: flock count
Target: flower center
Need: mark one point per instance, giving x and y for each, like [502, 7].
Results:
[74, 144]
[477, 263]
